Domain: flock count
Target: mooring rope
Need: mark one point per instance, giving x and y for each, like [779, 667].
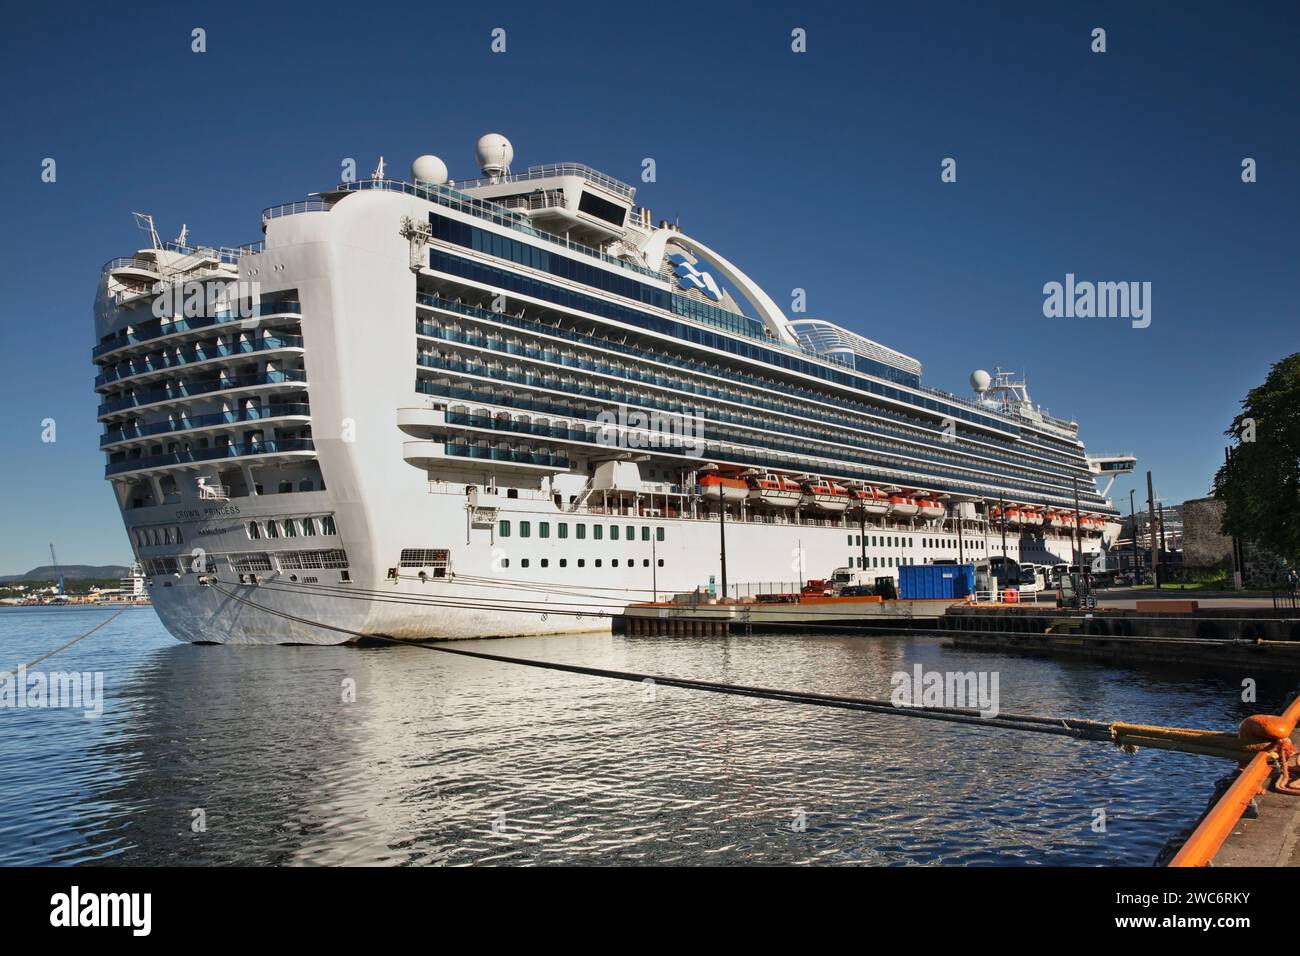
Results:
[63, 647]
[1126, 736]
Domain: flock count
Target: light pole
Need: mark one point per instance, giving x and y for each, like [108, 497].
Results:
[1132, 510]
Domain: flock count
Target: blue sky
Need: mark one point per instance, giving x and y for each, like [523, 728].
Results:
[817, 170]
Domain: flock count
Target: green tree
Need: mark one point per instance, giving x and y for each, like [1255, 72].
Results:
[1260, 482]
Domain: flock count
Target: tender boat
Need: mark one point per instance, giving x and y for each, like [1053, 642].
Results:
[903, 506]
[826, 495]
[729, 489]
[775, 490]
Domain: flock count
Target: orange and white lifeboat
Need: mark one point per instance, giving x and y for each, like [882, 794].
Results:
[728, 489]
[872, 501]
[775, 490]
[826, 495]
[1056, 519]
[1033, 519]
[930, 509]
[1015, 517]
[901, 506]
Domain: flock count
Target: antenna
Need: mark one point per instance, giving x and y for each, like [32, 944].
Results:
[183, 238]
[379, 170]
[144, 221]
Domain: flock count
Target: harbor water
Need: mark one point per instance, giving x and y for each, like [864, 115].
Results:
[400, 755]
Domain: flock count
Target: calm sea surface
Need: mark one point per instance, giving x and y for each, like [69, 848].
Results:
[443, 759]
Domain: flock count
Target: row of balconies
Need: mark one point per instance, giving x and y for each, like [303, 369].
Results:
[493, 321]
[181, 391]
[196, 353]
[153, 329]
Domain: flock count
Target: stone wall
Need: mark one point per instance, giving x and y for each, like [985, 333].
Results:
[1204, 544]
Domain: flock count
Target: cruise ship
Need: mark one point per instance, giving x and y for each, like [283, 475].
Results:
[431, 408]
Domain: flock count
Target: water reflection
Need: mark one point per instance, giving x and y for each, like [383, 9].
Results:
[442, 759]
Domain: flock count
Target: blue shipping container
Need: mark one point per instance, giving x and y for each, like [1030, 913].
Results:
[922, 581]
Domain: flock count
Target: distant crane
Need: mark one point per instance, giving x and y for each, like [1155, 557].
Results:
[57, 573]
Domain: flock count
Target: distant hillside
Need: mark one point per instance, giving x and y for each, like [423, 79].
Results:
[71, 572]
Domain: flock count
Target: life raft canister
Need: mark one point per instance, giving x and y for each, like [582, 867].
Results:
[1011, 596]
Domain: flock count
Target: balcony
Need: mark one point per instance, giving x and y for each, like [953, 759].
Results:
[208, 353]
[174, 393]
[216, 420]
[263, 310]
[263, 449]
[416, 420]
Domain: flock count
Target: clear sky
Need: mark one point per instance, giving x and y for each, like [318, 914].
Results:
[816, 170]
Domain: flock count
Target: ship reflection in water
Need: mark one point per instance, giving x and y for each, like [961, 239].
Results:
[257, 755]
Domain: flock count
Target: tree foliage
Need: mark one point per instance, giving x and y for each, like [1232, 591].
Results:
[1260, 482]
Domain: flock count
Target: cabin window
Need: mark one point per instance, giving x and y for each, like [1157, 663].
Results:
[546, 562]
[563, 529]
[503, 528]
[613, 532]
[564, 562]
[580, 531]
[523, 562]
[254, 531]
[505, 562]
[631, 533]
[543, 529]
[598, 531]
[525, 529]
[272, 529]
[582, 562]
[614, 563]
[327, 525]
[645, 533]
[659, 534]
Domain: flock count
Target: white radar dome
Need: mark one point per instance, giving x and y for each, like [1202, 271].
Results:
[980, 380]
[429, 169]
[494, 154]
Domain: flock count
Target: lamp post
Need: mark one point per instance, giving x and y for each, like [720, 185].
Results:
[1132, 510]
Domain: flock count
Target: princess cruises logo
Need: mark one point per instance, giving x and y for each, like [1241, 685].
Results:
[689, 277]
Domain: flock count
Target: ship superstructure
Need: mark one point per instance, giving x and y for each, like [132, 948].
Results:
[514, 404]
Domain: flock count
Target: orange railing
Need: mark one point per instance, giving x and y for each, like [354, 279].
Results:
[1218, 823]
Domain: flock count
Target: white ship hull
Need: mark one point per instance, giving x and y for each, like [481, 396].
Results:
[487, 593]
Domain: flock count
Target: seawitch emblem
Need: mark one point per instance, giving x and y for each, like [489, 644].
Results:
[688, 277]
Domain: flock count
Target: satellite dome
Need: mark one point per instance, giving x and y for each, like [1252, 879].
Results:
[980, 380]
[494, 154]
[429, 169]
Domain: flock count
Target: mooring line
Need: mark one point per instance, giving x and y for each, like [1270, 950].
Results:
[1124, 735]
[63, 647]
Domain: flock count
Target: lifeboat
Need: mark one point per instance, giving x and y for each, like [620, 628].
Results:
[1056, 520]
[775, 490]
[871, 501]
[930, 509]
[728, 489]
[1014, 517]
[1033, 519]
[826, 495]
[903, 507]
